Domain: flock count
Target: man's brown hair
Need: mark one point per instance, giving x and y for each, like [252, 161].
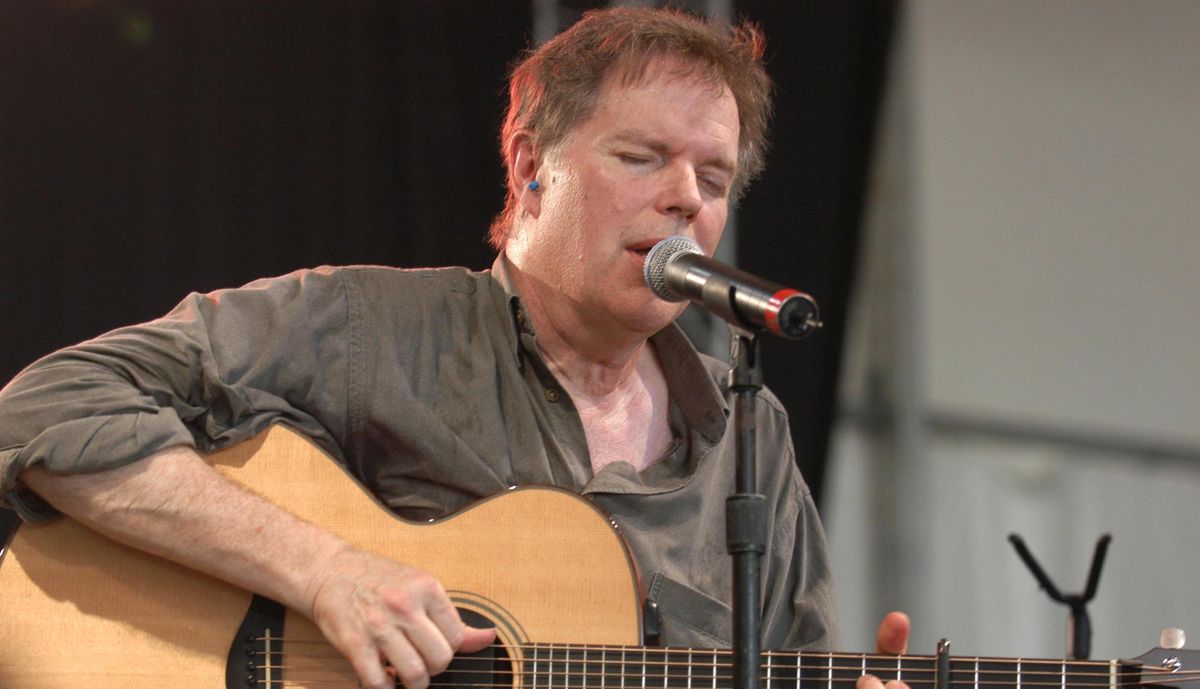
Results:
[555, 87]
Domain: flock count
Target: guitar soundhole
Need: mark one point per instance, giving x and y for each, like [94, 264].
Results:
[487, 669]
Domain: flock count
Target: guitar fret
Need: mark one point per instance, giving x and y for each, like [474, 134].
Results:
[714, 670]
[537, 659]
[845, 675]
[1085, 675]
[1018, 673]
[603, 667]
[996, 674]
[624, 672]
[1063, 678]
[916, 671]
[784, 674]
[689, 669]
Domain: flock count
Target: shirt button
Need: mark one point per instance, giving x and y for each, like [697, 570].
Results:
[551, 395]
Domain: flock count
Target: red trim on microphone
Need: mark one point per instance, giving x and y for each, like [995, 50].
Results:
[771, 313]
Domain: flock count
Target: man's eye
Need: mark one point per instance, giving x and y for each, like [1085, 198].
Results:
[632, 158]
[715, 187]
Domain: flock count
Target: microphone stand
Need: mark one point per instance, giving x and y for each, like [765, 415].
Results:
[745, 513]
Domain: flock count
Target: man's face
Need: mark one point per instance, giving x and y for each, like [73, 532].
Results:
[655, 159]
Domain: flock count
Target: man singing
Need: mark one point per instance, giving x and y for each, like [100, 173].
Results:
[438, 387]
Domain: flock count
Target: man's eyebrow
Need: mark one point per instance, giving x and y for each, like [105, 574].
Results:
[642, 138]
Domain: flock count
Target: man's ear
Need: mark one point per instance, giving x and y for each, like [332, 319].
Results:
[524, 162]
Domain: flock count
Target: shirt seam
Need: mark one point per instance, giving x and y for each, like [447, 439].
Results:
[354, 371]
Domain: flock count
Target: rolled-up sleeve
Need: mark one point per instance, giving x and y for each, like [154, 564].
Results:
[219, 368]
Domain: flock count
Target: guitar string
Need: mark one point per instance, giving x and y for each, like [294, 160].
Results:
[819, 661]
[913, 674]
[348, 676]
[823, 657]
[644, 656]
[1124, 676]
[588, 672]
[675, 681]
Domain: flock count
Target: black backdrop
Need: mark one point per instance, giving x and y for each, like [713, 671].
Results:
[148, 149]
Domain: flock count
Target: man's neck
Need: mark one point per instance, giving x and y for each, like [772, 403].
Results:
[616, 383]
[588, 358]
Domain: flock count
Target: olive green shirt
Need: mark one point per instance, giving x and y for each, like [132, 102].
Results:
[428, 386]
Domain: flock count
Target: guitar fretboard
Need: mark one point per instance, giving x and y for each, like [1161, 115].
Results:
[561, 666]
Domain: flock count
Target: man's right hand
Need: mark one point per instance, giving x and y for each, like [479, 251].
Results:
[390, 620]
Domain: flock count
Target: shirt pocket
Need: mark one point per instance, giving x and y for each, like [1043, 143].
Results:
[688, 617]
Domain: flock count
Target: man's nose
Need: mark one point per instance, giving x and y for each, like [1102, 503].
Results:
[680, 195]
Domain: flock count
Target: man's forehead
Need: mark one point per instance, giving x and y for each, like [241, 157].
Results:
[658, 75]
[663, 69]
[661, 74]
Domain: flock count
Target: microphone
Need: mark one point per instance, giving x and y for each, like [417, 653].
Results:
[676, 269]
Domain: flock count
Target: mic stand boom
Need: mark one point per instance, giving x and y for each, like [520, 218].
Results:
[745, 513]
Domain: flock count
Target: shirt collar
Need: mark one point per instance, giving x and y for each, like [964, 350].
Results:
[508, 303]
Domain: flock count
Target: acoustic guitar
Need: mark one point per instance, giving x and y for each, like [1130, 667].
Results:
[543, 566]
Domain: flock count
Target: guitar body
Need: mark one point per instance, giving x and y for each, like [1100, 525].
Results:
[79, 610]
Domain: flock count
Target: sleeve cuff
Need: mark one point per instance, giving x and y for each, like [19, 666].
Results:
[86, 445]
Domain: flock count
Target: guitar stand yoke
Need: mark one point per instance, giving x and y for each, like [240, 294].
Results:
[1079, 624]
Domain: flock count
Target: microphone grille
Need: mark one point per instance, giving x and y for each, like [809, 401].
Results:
[655, 269]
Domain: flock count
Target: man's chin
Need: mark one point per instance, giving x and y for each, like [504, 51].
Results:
[656, 316]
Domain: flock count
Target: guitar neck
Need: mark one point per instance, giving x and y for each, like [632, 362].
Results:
[557, 666]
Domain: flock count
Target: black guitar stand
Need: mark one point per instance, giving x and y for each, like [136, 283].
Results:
[1079, 625]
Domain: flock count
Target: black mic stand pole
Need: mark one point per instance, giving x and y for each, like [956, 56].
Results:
[745, 513]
